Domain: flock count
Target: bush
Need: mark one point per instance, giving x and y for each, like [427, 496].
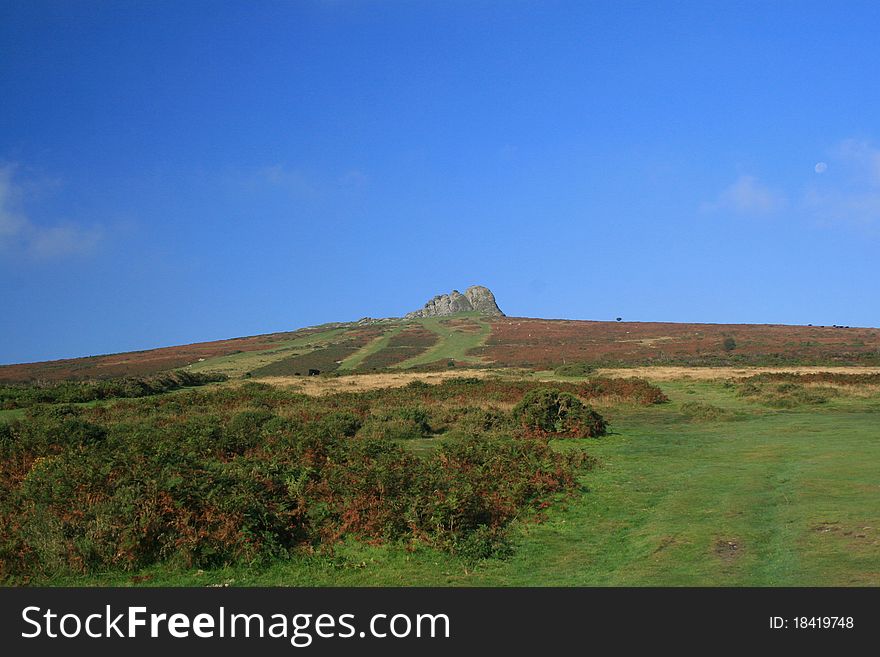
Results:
[575, 369]
[548, 411]
[244, 431]
[836, 378]
[632, 389]
[706, 412]
[477, 421]
[342, 424]
[71, 392]
[239, 474]
[405, 423]
[484, 542]
[784, 395]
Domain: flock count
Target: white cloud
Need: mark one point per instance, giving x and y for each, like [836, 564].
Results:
[20, 235]
[862, 159]
[851, 196]
[836, 206]
[747, 195]
[64, 240]
[12, 222]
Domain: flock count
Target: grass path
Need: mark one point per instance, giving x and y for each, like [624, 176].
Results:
[375, 345]
[780, 498]
[235, 365]
[454, 344]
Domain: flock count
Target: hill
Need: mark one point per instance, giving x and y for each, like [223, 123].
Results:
[454, 452]
[474, 339]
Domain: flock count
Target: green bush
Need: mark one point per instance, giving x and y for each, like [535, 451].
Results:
[240, 474]
[342, 423]
[548, 411]
[706, 412]
[404, 423]
[575, 369]
[632, 389]
[71, 392]
[785, 395]
[244, 431]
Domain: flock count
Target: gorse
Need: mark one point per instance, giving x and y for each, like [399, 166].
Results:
[69, 392]
[552, 412]
[242, 474]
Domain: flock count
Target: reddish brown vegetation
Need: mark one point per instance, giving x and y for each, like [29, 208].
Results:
[836, 378]
[524, 342]
[326, 359]
[242, 474]
[462, 324]
[142, 363]
[410, 342]
[632, 389]
[542, 343]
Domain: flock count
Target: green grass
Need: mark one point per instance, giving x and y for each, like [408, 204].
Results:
[723, 504]
[8, 415]
[775, 498]
[454, 344]
[236, 365]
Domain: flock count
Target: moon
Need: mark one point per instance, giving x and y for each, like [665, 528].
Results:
[820, 167]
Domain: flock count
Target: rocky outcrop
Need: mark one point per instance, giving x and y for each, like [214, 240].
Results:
[475, 298]
[483, 301]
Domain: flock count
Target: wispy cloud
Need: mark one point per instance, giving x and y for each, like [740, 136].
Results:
[850, 190]
[747, 195]
[22, 236]
[862, 159]
[291, 180]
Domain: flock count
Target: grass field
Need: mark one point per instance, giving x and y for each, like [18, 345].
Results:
[764, 497]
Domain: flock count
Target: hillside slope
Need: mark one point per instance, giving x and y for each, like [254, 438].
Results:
[469, 338]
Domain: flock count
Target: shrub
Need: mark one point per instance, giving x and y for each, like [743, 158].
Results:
[405, 423]
[548, 411]
[239, 474]
[706, 412]
[784, 395]
[632, 389]
[484, 542]
[836, 378]
[342, 424]
[575, 369]
[244, 431]
[70, 392]
[476, 421]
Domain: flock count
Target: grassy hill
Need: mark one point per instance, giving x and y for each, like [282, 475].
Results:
[469, 339]
[450, 450]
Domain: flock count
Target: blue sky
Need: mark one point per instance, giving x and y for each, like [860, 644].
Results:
[173, 172]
